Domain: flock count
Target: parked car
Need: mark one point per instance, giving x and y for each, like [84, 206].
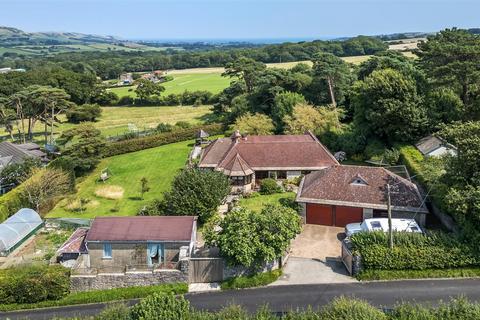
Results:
[381, 224]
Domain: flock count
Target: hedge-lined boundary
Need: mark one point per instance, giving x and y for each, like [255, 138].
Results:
[152, 141]
[12, 202]
[419, 274]
[98, 296]
[413, 251]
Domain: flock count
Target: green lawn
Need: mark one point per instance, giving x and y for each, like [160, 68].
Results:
[158, 165]
[115, 120]
[212, 82]
[256, 203]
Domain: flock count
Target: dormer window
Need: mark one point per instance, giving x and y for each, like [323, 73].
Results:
[358, 180]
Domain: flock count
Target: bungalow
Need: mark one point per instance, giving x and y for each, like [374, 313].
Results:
[117, 242]
[340, 195]
[248, 159]
[432, 146]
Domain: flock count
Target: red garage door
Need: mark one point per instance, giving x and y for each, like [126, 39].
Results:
[319, 214]
[346, 215]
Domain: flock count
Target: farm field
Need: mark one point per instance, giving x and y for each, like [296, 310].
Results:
[159, 165]
[212, 82]
[115, 120]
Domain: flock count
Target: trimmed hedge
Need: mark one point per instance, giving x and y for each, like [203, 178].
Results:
[156, 140]
[256, 280]
[101, 296]
[419, 274]
[413, 251]
[412, 159]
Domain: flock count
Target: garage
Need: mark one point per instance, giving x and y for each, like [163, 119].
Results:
[346, 215]
[332, 215]
[319, 214]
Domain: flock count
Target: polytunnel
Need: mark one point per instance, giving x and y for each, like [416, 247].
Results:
[16, 229]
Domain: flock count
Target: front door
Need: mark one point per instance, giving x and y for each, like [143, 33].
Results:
[155, 254]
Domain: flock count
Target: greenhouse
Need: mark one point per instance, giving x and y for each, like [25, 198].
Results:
[16, 229]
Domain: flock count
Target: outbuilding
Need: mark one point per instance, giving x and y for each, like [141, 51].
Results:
[340, 195]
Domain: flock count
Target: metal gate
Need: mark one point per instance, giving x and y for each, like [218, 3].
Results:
[347, 258]
[205, 270]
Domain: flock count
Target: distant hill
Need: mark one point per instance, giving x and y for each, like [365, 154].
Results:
[15, 37]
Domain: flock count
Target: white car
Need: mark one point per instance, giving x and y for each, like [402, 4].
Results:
[381, 224]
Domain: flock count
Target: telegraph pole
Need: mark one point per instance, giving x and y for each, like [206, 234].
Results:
[389, 210]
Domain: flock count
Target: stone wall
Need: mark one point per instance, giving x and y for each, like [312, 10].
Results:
[237, 271]
[104, 281]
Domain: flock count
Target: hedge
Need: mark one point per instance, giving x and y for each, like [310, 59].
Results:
[413, 251]
[11, 202]
[257, 280]
[98, 296]
[412, 158]
[33, 284]
[473, 272]
[156, 140]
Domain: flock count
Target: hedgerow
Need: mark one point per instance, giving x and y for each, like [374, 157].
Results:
[413, 251]
[156, 140]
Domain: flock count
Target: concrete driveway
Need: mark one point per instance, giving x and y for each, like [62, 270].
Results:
[315, 257]
[318, 242]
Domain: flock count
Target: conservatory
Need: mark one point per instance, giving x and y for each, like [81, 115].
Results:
[18, 228]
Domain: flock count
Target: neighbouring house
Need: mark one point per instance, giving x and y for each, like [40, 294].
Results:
[73, 247]
[126, 79]
[17, 229]
[432, 146]
[248, 159]
[345, 194]
[16, 153]
[130, 242]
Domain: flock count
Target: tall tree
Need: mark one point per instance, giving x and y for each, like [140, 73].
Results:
[245, 69]
[334, 71]
[309, 118]
[146, 88]
[451, 58]
[283, 106]
[7, 116]
[387, 105]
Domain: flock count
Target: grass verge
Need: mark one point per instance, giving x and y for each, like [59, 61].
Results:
[418, 274]
[257, 280]
[98, 296]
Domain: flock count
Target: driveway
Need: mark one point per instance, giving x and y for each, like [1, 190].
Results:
[315, 258]
[318, 242]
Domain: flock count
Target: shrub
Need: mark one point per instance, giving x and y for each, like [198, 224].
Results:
[16, 173]
[256, 280]
[86, 112]
[373, 274]
[164, 127]
[33, 284]
[343, 308]
[269, 186]
[196, 192]
[11, 202]
[391, 156]
[114, 312]
[183, 125]
[161, 307]
[156, 140]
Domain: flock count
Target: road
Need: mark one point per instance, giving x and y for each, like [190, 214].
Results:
[284, 298]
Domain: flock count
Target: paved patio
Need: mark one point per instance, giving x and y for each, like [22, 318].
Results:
[318, 242]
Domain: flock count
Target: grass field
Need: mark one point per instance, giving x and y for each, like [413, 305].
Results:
[256, 203]
[115, 120]
[212, 82]
[159, 165]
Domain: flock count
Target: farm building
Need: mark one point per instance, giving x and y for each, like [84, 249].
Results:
[18, 228]
[74, 246]
[340, 195]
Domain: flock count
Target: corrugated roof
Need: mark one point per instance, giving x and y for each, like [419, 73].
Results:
[152, 228]
[336, 184]
[75, 243]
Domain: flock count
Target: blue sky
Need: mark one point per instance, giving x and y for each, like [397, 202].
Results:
[210, 19]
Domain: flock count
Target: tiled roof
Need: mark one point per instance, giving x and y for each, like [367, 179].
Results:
[141, 229]
[237, 167]
[295, 152]
[335, 185]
